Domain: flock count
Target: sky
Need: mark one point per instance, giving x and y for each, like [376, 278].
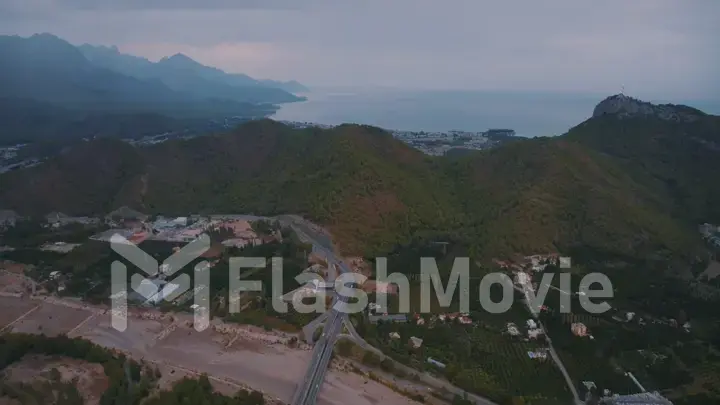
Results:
[654, 48]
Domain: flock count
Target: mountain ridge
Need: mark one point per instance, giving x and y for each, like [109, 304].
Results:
[47, 69]
[375, 193]
[183, 73]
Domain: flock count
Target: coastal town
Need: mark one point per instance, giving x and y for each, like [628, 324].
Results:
[437, 143]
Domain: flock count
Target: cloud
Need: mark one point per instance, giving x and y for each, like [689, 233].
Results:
[657, 47]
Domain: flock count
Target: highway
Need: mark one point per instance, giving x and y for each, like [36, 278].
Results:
[307, 392]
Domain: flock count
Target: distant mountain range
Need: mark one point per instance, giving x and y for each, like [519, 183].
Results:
[48, 86]
[184, 74]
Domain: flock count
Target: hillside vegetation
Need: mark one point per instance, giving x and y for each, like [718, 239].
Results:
[375, 192]
[547, 194]
[680, 160]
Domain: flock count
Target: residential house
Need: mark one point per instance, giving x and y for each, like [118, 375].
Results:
[238, 243]
[538, 267]
[395, 318]
[54, 218]
[579, 329]
[501, 263]
[181, 221]
[531, 324]
[707, 229]
[59, 247]
[394, 335]
[415, 342]
[379, 287]
[522, 278]
[512, 329]
[8, 218]
[240, 228]
[535, 333]
[58, 219]
[162, 224]
[374, 308]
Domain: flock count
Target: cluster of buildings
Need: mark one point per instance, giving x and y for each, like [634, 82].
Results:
[534, 263]
[10, 152]
[59, 247]
[435, 143]
[11, 160]
[193, 131]
[711, 233]
[306, 124]
[533, 331]
[58, 219]
[439, 143]
[8, 218]
[235, 230]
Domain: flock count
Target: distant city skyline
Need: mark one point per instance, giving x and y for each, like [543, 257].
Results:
[654, 48]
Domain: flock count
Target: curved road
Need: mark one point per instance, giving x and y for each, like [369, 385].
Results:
[307, 392]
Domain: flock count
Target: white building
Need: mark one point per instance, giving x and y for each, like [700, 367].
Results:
[155, 291]
[522, 278]
[181, 221]
[512, 329]
[415, 342]
[531, 324]
[535, 333]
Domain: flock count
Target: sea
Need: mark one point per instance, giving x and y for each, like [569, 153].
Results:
[529, 114]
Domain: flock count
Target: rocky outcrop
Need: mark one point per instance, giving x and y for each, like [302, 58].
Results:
[623, 106]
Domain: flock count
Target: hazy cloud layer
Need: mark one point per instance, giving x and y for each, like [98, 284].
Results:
[656, 48]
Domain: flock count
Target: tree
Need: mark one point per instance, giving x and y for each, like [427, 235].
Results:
[387, 364]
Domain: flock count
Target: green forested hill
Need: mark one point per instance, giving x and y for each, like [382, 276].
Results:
[680, 160]
[372, 191]
[549, 194]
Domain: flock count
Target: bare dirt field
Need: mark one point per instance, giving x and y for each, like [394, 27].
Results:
[90, 378]
[233, 356]
[343, 388]
[52, 320]
[12, 282]
[13, 308]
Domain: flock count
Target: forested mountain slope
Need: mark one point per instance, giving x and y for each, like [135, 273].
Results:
[375, 192]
